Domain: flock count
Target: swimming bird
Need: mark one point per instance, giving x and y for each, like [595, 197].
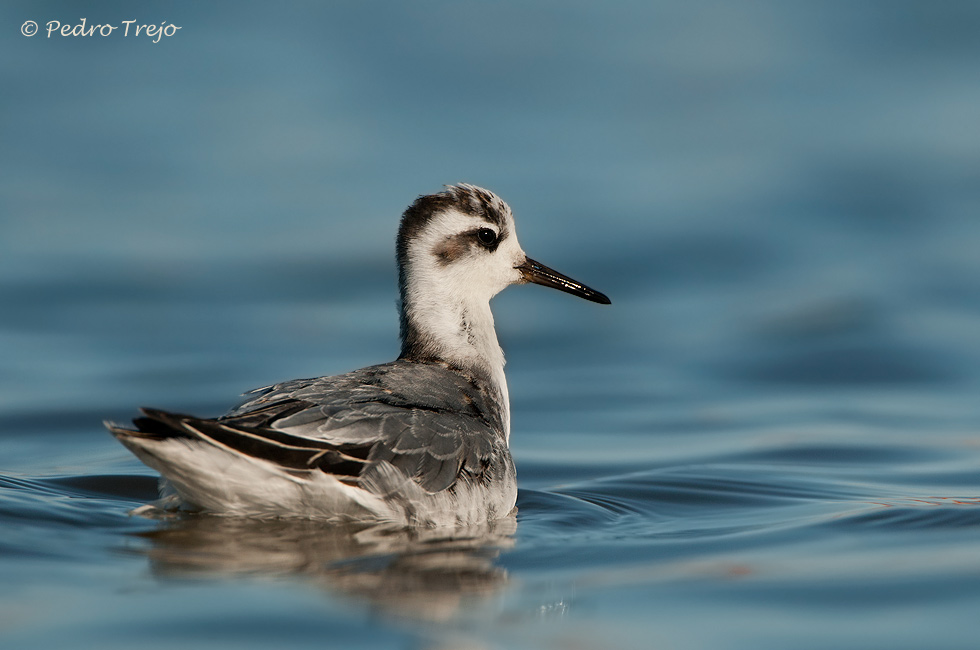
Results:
[420, 441]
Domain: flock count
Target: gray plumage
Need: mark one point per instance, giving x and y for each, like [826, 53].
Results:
[433, 423]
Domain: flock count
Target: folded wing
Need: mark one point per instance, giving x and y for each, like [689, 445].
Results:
[349, 425]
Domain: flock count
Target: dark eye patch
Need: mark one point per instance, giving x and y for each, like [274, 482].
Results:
[454, 247]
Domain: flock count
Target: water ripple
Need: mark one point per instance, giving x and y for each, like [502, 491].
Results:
[923, 514]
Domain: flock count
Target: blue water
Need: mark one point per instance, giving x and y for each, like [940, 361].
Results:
[771, 439]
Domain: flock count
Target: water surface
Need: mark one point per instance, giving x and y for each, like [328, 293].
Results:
[770, 439]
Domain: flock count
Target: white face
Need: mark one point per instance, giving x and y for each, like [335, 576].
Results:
[466, 255]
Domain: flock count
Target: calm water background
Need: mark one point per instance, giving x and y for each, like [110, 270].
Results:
[771, 439]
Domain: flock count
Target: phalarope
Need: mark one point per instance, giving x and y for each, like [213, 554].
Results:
[422, 440]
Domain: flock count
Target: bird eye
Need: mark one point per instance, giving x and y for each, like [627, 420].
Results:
[486, 236]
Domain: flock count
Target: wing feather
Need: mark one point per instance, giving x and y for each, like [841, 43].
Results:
[430, 422]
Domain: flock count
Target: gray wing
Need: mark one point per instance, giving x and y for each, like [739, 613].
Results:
[430, 422]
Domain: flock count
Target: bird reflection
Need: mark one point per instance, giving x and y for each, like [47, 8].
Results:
[417, 573]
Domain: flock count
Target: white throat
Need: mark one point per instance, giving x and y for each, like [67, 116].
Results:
[457, 327]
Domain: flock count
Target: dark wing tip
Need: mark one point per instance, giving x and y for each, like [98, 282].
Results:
[118, 430]
[155, 425]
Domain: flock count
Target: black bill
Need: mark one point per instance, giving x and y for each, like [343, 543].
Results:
[541, 274]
